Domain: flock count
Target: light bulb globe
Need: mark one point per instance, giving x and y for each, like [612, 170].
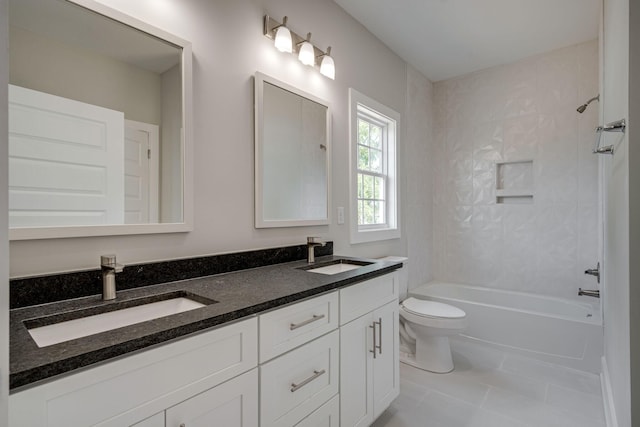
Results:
[328, 67]
[307, 54]
[283, 40]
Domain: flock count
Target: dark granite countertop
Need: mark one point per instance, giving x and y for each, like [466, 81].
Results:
[238, 294]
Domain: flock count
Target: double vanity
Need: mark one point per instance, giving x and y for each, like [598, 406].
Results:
[281, 345]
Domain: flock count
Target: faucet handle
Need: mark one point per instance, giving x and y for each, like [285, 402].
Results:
[109, 261]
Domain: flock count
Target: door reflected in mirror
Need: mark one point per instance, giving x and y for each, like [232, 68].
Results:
[292, 156]
[96, 121]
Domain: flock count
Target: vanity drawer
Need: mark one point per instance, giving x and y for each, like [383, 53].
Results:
[328, 415]
[289, 327]
[364, 297]
[297, 383]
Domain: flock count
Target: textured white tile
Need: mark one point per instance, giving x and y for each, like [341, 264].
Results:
[557, 81]
[520, 111]
[588, 58]
[520, 138]
[587, 245]
[521, 100]
[587, 161]
[557, 164]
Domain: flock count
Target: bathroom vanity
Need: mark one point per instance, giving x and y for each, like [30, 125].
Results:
[281, 346]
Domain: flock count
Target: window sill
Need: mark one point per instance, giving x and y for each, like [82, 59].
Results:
[364, 236]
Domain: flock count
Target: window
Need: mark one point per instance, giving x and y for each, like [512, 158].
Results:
[374, 181]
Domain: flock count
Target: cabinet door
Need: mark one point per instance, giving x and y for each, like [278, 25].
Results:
[356, 372]
[386, 366]
[231, 404]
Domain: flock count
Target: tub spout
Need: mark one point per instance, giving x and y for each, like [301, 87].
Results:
[589, 292]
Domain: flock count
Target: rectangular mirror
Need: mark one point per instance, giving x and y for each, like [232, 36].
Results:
[292, 152]
[99, 107]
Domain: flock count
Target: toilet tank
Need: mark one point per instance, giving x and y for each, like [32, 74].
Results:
[403, 274]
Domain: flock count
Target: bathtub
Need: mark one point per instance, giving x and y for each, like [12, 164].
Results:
[554, 330]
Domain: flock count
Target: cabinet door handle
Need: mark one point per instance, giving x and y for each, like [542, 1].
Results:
[295, 387]
[373, 330]
[315, 317]
[379, 346]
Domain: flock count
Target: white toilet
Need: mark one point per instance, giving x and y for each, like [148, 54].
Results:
[425, 327]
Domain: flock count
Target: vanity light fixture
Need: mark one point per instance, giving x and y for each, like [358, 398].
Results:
[285, 40]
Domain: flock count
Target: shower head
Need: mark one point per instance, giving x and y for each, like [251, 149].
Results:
[583, 107]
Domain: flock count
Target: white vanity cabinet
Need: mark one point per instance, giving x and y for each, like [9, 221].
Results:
[369, 350]
[140, 387]
[300, 356]
[328, 361]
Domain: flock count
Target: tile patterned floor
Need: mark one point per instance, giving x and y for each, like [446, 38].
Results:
[490, 388]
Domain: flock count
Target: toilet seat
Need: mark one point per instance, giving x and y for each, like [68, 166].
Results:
[432, 309]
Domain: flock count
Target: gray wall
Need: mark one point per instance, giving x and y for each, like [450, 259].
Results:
[228, 48]
[4, 208]
[634, 207]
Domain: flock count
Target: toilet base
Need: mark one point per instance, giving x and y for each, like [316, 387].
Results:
[433, 354]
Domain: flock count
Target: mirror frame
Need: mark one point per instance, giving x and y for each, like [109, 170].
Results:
[260, 221]
[32, 233]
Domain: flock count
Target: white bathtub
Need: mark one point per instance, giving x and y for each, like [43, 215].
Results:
[555, 330]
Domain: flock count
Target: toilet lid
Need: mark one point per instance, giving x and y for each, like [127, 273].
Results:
[427, 308]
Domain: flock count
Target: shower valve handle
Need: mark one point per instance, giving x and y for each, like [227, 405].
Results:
[594, 272]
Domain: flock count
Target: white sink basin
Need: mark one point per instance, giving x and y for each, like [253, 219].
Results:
[85, 326]
[334, 268]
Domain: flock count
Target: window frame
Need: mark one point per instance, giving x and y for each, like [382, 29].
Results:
[361, 106]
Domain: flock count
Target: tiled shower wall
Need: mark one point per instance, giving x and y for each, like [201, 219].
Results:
[520, 111]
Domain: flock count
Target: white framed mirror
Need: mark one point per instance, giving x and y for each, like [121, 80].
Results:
[99, 123]
[292, 156]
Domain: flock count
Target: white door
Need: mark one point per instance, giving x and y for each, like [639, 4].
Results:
[231, 404]
[356, 372]
[386, 365]
[141, 165]
[66, 162]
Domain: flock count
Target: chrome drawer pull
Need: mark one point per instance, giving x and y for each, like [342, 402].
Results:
[295, 387]
[373, 330]
[379, 346]
[315, 317]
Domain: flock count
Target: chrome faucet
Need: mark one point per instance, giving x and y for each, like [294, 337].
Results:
[109, 268]
[312, 242]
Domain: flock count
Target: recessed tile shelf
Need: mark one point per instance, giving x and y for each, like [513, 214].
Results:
[514, 182]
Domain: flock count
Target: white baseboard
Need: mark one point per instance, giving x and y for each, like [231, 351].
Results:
[607, 396]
